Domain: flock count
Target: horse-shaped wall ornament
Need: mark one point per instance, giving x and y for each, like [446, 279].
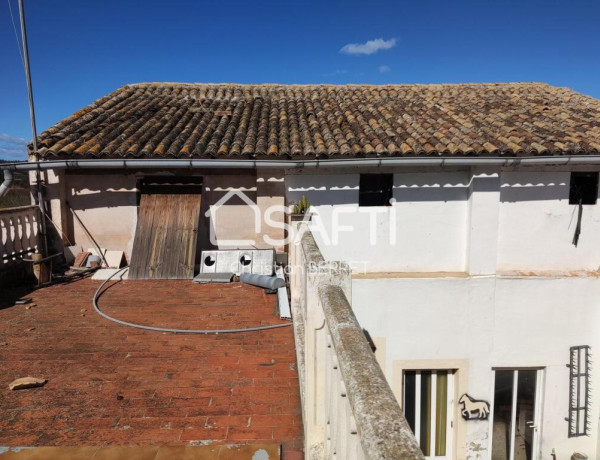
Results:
[473, 409]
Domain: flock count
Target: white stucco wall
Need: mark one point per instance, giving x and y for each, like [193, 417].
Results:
[537, 224]
[480, 221]
[490, 322]
[522, 295]
[476, 221]
[429, 219]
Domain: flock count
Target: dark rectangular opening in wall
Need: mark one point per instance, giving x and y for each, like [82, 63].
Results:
[171, 185]
[583, 188]
[375, 189]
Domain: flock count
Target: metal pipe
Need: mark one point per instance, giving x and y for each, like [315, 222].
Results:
[138, 163]
[263, 281]
[40, 193]
[8, 180]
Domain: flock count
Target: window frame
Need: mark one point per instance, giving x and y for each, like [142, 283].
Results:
[539, 402]
[450, 374]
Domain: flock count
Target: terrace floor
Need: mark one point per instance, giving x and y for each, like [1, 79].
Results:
[111, 385]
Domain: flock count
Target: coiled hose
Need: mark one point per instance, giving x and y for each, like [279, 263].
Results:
[176, 331]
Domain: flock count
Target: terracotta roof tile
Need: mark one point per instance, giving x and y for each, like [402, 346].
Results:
[228, 120]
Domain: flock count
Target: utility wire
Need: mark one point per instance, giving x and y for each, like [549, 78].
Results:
[59, 229]
[19, 47]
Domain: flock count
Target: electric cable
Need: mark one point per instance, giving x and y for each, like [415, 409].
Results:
[19, 47]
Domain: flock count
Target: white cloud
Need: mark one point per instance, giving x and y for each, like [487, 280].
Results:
[383, 68]
[370, 47]
[13, 148]
[12, 139]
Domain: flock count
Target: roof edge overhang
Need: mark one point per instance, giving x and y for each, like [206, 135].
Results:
[139, 163]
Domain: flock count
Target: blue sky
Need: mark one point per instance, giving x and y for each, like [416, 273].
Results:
[81, 50]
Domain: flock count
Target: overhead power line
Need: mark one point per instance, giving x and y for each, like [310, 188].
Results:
[19, 46]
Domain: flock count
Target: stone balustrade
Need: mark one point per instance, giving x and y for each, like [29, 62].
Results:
[19, 237]
[349, 411]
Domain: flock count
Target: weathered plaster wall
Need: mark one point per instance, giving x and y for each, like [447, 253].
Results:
[490, 322]
[239, 221]
[107, 206]
[271, 201]
[226, 215]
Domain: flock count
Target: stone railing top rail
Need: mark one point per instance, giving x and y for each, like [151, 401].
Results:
[312, 253]
[383, 430]
[18, 209]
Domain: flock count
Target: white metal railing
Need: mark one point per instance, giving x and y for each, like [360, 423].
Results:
[19, 234]
[349, 411]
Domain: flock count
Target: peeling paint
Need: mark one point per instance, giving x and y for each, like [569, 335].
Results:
[260, 454]
[201, 442]
[6, 449]
[476, 447]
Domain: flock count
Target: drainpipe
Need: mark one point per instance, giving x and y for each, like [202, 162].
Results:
[8, 179]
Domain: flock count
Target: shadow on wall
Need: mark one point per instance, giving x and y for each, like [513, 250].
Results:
[95, 199]
[343, 189]
[534, 186]
[106, 204]
[101, 198]
[109, 202]
[515, 186]
[436, 193]
[512, 193]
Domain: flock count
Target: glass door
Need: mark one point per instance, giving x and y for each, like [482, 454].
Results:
[427, 404]
[515, 414]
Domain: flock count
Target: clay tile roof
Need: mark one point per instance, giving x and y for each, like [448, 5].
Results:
[178, 120]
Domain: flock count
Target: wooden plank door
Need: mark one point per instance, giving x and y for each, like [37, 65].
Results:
[165, 239]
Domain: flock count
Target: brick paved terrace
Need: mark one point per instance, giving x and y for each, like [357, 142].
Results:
[114, 385]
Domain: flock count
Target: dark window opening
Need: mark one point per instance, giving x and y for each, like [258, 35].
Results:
[583, 188]
[375, 189]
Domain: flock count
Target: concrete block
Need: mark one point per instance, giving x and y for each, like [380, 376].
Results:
[115, 259]
[105, 273]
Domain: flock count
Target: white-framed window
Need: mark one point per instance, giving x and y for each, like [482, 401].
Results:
[428, 402]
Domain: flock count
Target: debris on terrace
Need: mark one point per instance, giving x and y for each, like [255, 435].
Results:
[110, 385]
[26, 382]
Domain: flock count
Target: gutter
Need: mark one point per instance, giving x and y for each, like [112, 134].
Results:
[139, 163]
